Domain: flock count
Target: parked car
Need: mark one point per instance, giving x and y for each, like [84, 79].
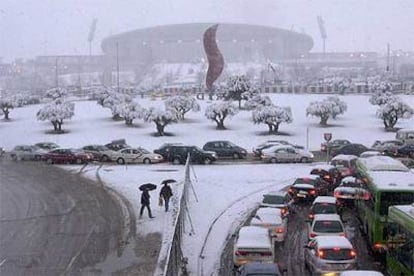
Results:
[137, 155]
[116, 145]
[252, 244]
[406, 151]
[273, 220]
[67, 156]
[100, 153]
[334, 144]
[225, 149]
[353, 148]
[164, 149]
[27, 152]
[330, 254]
[48, 146]
[277, 199]
[281, 153]
[257, 151]
[405, 135]
[178, 155]
[324, 205]
[256, 269]
[326, 225]
[388, 147]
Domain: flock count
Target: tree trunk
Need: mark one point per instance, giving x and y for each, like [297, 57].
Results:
[276, 128]
[55, 126]
[160, 129]
[240, 104]
[324, 120]
[270, 127]
[128, 121]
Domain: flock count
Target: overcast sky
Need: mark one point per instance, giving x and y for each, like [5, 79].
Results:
[48, 27]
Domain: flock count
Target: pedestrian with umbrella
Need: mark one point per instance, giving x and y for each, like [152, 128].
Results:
[166, 192]
[145, 198]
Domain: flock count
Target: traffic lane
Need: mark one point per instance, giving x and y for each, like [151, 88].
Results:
[53, 222]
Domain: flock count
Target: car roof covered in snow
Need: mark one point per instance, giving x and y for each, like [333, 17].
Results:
[325, 199]
[326, 217]
[333, 241]
[325, 167]
[360, 273]
[253, 236]
[382, 163]
[344, 157]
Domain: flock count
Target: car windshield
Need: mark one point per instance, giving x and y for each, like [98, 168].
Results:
[337, 254]
[327, 226]
[273, 199]
[324, 208]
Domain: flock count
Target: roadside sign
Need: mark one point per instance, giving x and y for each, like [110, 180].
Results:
[327, 136]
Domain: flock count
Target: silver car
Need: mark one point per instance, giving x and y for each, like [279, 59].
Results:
[137, 155]
[281, 153]
[27, 152]
[330, 254]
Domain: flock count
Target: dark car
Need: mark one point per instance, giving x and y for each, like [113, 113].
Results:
[320, 186]
[117, 145]
[164, 149]
[257, 268]
[389, 147]
[328, 173]
[334, 144]
[178, 155]
[225, 149]
[67, 156]
[350, 149]
[406, 151]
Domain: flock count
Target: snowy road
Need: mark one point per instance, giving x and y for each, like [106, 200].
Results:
[53, 222]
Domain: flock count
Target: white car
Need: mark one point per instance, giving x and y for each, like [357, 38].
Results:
[27, 152]
[273, 220]
[326, 225]
[252, 244]
[137, 155]
[282, 153]
[101, 153]
[257, 151]
[330, 254]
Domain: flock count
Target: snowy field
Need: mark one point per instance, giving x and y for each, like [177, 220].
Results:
[223, 192]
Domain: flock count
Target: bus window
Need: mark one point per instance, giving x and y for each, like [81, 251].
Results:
[394, 198]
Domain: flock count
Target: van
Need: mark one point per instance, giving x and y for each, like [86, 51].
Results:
[252, 244]
[405, 135]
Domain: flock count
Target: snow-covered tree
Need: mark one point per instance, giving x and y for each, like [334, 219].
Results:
[182, 104]
[257, 101]
[129, 111]
[161, 118]
[218, 112]
[339, 106]
[272, 116]
[236, 87]
[56, 93]
[6, 105]
[322, 109]
[393, 110]
[381, 97]
[111, 99]
[56, 112]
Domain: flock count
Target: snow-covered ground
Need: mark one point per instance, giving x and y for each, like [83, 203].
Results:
[222, 192]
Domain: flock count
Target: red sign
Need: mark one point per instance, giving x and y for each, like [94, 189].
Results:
[327, 136]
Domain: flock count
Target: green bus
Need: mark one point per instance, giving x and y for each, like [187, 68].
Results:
[400, 240]
[387, 182]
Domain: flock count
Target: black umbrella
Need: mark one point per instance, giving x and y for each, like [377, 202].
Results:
[148, 186]
[168, 181]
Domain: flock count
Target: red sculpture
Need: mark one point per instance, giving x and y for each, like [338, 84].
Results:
[214, 56]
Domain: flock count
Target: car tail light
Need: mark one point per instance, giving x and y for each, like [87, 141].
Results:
[353, 253]
[336, 194]
[312, 192]
[312, 235]
[290, 190]
[241, 253]
[321, 254]
[342, 235]
[283, 211]
[279, 230]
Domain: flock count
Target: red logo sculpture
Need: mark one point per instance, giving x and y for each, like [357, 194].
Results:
[214, 57]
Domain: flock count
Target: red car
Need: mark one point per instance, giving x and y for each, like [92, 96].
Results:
[67, 156]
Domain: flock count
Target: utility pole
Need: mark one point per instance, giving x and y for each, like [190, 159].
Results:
[56, 74]
[387, 69]
[117, 66]
[322, 30]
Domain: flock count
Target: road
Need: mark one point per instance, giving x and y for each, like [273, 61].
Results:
[290, 255]
[53, 222]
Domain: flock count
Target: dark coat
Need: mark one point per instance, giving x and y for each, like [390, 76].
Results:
[145, 198]
[166, 192]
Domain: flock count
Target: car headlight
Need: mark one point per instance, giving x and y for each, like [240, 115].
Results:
[311, 155]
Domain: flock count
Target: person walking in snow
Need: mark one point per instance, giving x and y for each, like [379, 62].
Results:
[166, 194]
[145, 203]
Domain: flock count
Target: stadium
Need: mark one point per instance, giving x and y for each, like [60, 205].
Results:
[183, 43]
